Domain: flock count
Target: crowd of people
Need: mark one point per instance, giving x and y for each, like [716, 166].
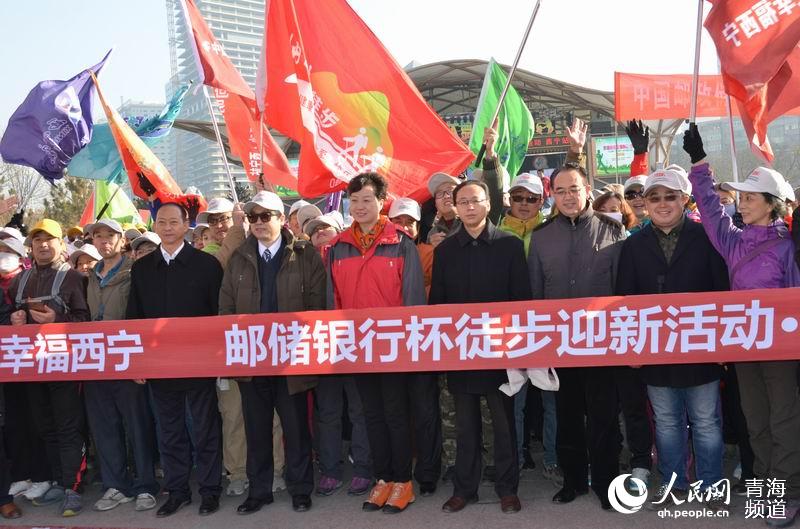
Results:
[478, 240]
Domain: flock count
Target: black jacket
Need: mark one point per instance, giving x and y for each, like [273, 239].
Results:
[695, 267]
[488, 269]
[187, 287]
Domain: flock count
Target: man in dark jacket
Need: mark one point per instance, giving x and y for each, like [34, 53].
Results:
[673, 254]
[51, 292]
[181, 281]
[480, 264]
[575, 255]
[273, 272]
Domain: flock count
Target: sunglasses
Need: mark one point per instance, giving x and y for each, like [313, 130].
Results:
[265, 217]
[655, 199]
[529, 200]
[630, 195]
[213, 220]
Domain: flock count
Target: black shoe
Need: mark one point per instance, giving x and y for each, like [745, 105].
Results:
[209, 505]
[604, 503]
[427, 488]
[449, 472]
[252, 505]
[567, 494]
[301, 503]
[172, 506]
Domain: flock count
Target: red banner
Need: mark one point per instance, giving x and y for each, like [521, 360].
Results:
[651, 97]
[634, 330]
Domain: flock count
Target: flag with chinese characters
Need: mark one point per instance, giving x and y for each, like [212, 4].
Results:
[514, 122]
[149, 178]
[757, 47]
[253, 144]
[328, 83]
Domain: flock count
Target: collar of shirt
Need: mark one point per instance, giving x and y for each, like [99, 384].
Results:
[273, 248]
[169, 257]
[111, 273]
[674, 232]
[464, 238]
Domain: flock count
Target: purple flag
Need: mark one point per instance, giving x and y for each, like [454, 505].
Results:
[52, 124]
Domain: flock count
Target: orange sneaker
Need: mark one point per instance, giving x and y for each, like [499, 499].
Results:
[402, 496]
[378, 496]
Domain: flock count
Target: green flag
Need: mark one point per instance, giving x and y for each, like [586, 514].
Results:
[120, 208]
[515, 124]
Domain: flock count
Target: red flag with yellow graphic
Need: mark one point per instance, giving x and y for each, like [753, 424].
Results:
[328, 83]
[148, 176]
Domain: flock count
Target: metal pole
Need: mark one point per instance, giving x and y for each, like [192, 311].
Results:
[696, 73]
[108, 203]
[27, 199]
[221, 145]
[616, 151]
[734, 165]
[510, 75]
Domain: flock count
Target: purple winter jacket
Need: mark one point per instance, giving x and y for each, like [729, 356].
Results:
[773, 268]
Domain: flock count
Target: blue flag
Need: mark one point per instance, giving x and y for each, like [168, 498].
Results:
[52, 124]
[100, 159]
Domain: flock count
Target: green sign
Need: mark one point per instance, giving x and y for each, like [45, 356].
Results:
[612, 155]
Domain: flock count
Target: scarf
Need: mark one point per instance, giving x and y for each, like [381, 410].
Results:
[366, 240]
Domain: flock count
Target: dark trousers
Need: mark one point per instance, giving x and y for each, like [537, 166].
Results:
[772, 407]
[5, 470]
[58, 416]
[24, 446]
[171, 400]
[116, 408]
[632, 394]
[733, 414]
[260, 397]
[467, 476]
[427, 416]
[385, 398]
[586, 410]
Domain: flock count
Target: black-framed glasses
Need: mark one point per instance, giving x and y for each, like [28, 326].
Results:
[444, 194]
[630, 195]
[213, 220]
[530, 200]
[265, 217]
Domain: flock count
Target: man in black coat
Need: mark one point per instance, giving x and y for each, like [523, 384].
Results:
[673, 254]
[480, 264]
[180, 281]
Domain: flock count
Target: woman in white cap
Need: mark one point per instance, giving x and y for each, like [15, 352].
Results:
[84, 259]
[759, 256]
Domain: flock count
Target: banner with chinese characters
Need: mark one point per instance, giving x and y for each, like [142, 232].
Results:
[652, 97]
[633, 330]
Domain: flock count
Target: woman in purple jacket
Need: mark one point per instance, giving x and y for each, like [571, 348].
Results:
[759, 256]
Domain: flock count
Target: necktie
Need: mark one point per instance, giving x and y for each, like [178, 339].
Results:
[267, 255]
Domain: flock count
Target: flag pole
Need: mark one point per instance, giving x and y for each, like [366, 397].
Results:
[108, 202]
[696, 73]
[734, 165]
[221, 145]
[510, 76]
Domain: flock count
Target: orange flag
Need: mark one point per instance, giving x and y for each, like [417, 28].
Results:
[328, 83]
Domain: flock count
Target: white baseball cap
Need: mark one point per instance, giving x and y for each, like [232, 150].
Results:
[438, 179]
[329, 219]
[405, 206]
[788, 192]
[635, 181]
[669, 178]
[14, 233]
[529, 182]
[14, 245]
[216, 205]
[297, 205]
[86, 249]
[306, 213]
[267, 200]
[147, 236]
[761, 180]
[111, 224]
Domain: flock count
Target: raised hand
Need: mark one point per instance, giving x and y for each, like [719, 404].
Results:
[639, 135]
[693, 144]
[577, 135]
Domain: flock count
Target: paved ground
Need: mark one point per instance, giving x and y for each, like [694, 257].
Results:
[343, 511]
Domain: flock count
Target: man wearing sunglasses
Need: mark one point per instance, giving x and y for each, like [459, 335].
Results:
[271, 271]
[673, 254]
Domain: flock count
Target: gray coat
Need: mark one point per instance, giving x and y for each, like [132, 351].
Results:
[575, 259]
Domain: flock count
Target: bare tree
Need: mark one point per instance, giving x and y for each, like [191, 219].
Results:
[25, 183]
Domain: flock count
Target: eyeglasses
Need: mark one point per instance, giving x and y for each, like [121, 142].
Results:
[470, 202]
[562, 193]
[265, 217]
[322, 227]
[655, 199]
[213, 220]
[630, 195]
[530, 200]
[444, 194]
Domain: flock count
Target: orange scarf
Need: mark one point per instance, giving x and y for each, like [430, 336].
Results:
[366, 240]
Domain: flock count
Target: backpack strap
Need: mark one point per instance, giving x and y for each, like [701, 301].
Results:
[23, 281]
[56, 288]
[756, 252]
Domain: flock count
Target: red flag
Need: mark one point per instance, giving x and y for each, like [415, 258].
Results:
[755, 43]
[243, 134]
[327, 82]
[87, 217]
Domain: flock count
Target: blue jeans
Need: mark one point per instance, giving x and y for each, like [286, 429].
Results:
[548, 424]
[671, 407]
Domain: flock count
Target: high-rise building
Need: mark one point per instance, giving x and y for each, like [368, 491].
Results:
[238, 25]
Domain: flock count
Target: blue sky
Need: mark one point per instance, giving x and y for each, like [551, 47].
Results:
[580, 41]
